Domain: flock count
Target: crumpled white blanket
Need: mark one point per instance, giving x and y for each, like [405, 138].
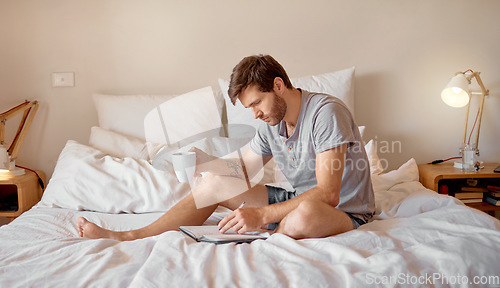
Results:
[418, 238]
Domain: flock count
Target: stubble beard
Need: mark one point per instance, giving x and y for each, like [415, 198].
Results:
[278, 110]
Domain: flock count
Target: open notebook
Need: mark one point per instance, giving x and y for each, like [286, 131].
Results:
[211, 234]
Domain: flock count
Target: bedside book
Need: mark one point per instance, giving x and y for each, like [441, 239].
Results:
[211, 234]
[477, 200]
[494, 194]
[492, 200]
[493, 188]
[473, 189]
[469, 195]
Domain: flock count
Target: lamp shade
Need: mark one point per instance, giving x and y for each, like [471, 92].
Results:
[456, 93]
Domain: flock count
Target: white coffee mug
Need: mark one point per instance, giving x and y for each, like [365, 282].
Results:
[184, 165]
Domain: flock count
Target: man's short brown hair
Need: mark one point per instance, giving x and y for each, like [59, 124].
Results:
[260, 70]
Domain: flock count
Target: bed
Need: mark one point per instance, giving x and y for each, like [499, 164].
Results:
[417, 237]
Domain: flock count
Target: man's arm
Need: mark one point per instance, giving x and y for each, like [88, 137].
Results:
[329, 170]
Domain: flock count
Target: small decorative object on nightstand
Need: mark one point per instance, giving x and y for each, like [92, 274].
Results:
[469, 187]
[19, 193]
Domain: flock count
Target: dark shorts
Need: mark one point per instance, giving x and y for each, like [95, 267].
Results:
[278, 195]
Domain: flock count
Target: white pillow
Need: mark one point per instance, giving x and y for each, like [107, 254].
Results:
[120, 145]
[361, 130]
[238, 117]
[127, 114]
[339, 84]
[376, 166]
[408, 172]
[184, 119]
[87, 179]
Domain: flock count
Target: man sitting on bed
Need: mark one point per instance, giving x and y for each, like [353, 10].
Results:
[314, 140]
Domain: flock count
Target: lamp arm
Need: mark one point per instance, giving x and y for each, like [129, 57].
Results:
[29, 108]
[466, 124]
[9, 114]
[484, 93]
[24, 126]
[13, 111]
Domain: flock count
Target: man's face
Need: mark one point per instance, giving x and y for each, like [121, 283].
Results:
[266, 106]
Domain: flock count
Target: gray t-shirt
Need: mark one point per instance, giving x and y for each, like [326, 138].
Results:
[324, 123]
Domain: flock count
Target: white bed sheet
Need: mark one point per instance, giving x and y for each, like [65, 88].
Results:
[417, 236]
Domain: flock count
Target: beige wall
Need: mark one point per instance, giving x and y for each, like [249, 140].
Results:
[404, 52]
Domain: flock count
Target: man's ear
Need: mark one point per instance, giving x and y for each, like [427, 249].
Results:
[279, 85]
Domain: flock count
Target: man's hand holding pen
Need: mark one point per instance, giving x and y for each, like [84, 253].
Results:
[242, 220]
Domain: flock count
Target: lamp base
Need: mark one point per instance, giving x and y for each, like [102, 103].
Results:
[9, 173]
[458, 164]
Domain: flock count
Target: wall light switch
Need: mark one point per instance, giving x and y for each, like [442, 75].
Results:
[63, 79]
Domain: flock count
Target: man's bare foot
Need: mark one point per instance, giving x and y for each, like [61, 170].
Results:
[90, 230]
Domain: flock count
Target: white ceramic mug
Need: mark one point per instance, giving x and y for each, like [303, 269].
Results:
[184, 165]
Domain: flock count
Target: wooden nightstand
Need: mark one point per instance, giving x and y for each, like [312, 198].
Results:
[19, 193]
[439, 176]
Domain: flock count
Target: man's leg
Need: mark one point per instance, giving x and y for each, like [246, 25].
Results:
[314, 219]
[184, 213]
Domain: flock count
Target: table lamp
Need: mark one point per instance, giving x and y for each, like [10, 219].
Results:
[458, 94]
[8, 155]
